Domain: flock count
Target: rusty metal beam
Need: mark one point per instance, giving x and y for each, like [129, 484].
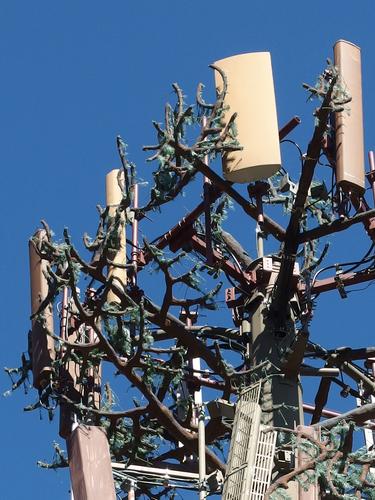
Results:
[199, 245]
[360, 416]
[325, 413]
[321, 397]
[288, 127]
[214, 193]
[330, 413]
[347, 279]
[356, 374]
[249, 208]
[185, 222]
[348, 354]
[335, 226]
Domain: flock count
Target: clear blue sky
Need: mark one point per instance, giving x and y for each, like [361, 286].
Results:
[74, 74]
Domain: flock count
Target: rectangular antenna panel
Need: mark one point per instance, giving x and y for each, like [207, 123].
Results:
[42, 344]
[259, 477]
[350, 168]
[251, 95]
[90, 464]
[252, 450]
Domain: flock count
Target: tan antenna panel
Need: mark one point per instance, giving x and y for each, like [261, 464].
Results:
[350, 168]
[113, 199]
[42, 344]
[251, 95]
[90, 464]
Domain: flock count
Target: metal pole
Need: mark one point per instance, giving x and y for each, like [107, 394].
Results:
[199, 416]
[277, 390]
[201, 452]
[64, 314]
[93, 397]
[207, 209]
[131, 490]
[195, 364]
[74, 426]
[134, 252]
[260, 221]
[207, 220]
[371, 158]
[260, 243]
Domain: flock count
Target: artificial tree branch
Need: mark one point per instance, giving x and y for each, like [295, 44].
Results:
[282, 481]
[282, 291]
[236, 249]
[165, 417]
[358, 415]
[249, 208]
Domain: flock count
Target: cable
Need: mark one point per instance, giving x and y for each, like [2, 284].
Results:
[356, 264]
[361, 289]
[320, 199]
[296, 145]
[364, 259]
[236, 263]
[236, 286]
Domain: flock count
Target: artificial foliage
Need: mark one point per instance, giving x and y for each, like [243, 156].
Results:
[149, 346]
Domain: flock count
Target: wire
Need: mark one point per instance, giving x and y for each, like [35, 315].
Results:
[296, 145]
[320, 199]
[235, 286]
[324, 164]
[361, 289]
[227, 276]
[356, 264]
[364, 259]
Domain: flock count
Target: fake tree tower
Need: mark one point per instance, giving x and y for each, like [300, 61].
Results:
[181, 389]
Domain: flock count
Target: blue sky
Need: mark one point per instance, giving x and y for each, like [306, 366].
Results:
[74, 74]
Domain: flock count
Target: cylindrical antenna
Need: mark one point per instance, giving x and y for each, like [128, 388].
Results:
[116, 271]
[42, 343]
[251, 95]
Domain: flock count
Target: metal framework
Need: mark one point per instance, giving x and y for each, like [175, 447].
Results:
[269, 285]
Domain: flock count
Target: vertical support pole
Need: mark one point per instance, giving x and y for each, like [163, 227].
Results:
[372, 361]
[278, 391]
[199, 413]
[195, 364]
[95, 375]
[64, 314]
[371, 158]
[281, 398]
[65, 413]
[260, 221]
[131, 490]
[207, 220]
[202, 452]
[245, 329]
[257, 190]
[207, 209]
[134, 252]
